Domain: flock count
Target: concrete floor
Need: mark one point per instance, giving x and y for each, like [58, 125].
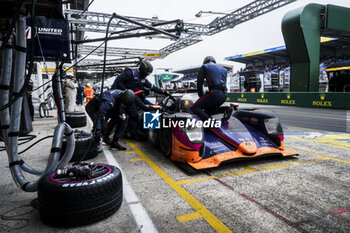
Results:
[308, 193]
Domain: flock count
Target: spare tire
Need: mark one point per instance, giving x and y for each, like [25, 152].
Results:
[68, 200]
[83, 140]
[76, 119]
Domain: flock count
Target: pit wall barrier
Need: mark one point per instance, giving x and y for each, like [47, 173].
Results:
[328, 100]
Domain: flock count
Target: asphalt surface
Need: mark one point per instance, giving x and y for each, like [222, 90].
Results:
[313, 118]
[307, 193]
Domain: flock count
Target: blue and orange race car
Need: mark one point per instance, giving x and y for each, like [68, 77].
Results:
[243, 134]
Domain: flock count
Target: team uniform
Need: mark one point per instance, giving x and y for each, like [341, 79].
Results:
[108, 106]
[216, 77]
[133, 79]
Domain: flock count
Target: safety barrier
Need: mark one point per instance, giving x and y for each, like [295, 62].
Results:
[329, 100]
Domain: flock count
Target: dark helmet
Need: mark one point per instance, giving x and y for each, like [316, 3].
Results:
[209, 59]
[126, 98]
[146, 68]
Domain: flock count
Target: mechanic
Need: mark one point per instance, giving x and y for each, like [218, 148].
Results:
[135, 79]
[215, 76]
[111, 104]
[141, 100]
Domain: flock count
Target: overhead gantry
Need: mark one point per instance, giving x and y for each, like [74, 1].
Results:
[187, 33]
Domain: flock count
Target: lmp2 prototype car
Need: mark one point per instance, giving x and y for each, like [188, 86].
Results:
[245, 134]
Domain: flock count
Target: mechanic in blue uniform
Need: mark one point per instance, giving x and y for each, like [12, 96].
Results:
[111, 104]
[135, 79]
[216, 76]
[141, 100]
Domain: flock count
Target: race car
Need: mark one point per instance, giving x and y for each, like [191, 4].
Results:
[229, 134]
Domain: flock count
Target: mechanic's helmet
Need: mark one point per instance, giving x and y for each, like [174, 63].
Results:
[209, 59]
[146, 68]
[126, 98]
[88, 84]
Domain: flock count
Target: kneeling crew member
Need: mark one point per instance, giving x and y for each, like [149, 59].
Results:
[111, 104]
[215, 76]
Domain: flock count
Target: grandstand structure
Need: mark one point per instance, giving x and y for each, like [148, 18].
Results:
[274, 64]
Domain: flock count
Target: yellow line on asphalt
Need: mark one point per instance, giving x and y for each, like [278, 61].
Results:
[196, 205]
[328, 139]
[188, 217]
[248, 167]
[323, 156]
[129, 152]
[195, 180]
[250, 170]
[134, 160]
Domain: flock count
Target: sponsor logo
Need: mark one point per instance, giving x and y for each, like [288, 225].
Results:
[29, 33]
[151, 120]
[242, 99]
[85, 183]
[262, 100]
[288, 100]
[191, 123]
[322, 102]
[44, 31]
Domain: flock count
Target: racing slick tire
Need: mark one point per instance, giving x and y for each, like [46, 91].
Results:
[76, 119]
[165, 142]
[68, 201]
[84, 143]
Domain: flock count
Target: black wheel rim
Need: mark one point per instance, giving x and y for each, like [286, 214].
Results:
[97, 171]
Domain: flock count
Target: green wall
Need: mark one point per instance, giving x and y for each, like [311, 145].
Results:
[330, 100]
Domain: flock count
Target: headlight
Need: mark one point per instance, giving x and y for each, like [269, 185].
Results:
[194, 134]
[271, 125]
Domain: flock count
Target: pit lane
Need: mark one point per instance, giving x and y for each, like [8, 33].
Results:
[307, 193]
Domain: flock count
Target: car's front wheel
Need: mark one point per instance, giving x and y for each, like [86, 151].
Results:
[165, 142]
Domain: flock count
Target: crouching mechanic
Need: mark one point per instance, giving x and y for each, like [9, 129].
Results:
[111, 104]
[215, 76]
[135, 79]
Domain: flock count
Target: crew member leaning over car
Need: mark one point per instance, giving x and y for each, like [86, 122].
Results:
[135, 79]
[111, 104]
[216, 78]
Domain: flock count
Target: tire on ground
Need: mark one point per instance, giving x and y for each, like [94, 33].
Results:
[76, 119]
[83, 140]
[63, 203]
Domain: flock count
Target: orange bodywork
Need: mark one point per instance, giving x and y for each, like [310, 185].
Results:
[246, 150]
[182, 153]
[233, 155]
